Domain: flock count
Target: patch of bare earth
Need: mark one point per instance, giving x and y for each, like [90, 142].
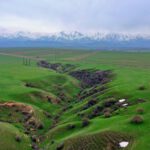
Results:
[81, 57]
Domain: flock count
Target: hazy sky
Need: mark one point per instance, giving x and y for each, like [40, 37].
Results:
[131, 16]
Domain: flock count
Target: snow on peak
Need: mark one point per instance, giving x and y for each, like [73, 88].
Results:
[75, 35]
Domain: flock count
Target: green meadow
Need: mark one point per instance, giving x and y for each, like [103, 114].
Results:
[130, 81]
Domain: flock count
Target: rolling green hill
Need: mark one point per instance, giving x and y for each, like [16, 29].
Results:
[62, 109]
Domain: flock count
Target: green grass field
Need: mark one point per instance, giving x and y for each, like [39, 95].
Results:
[131, 72]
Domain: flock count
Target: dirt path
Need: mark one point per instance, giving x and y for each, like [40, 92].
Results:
[19, 56]
[81, 57]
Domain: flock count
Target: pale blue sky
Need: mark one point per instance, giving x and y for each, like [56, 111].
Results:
[131, 16]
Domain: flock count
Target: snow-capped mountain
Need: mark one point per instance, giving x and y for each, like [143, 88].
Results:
[74, 40]
[73, 36]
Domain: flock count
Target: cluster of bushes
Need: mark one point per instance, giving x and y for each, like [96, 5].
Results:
[62, 68]
[96, 89]
[91, 78]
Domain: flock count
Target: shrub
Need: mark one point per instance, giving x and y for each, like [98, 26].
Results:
[27, 132]
[140, 100]
[34, 138]
[92, 102]
[40, 126]
[89, 104]
[60, 146]
[10, 114]
[64, 109]
[140, 110]
[109, 102]
[141, 88]
[71, 126]
[107, 114]
[29, 85]
[27, 117]
[85, 122]
[48, 115]
[81, 114]
[107, 109]
[97, 111]
[52, 142]
[18, 138]
[56, 117]
[137, 119]
[34, 146]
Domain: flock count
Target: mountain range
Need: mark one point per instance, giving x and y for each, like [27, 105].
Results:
[75, 40]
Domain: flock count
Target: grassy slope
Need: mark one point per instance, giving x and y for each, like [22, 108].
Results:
[131, 71]
[7, 142]
[14, 75]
